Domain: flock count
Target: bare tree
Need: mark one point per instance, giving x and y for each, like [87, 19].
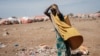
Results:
[71, 14]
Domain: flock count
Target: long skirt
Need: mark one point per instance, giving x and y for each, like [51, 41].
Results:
[62, 47]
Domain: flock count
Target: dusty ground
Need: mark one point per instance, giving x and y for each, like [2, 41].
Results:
[19, 36]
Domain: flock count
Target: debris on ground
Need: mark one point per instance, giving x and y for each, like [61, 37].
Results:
[41, 50]
[6, 33]
[2, 45]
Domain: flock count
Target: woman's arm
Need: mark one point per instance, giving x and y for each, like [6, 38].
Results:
[46, 12]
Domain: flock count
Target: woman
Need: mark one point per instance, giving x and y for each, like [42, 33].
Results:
[64, 31]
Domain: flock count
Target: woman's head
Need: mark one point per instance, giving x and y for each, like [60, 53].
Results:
[54, 8]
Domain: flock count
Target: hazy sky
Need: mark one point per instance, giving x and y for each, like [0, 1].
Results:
[36, 7]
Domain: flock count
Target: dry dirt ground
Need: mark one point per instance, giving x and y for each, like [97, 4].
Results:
[19, 36]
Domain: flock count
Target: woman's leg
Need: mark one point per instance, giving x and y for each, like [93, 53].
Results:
[62, 47]
[68, 51]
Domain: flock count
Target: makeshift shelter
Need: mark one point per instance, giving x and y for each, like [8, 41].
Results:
[13, 20]
[25, 20]
[4, 22]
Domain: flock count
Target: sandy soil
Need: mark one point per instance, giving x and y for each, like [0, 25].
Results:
[20, 36]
